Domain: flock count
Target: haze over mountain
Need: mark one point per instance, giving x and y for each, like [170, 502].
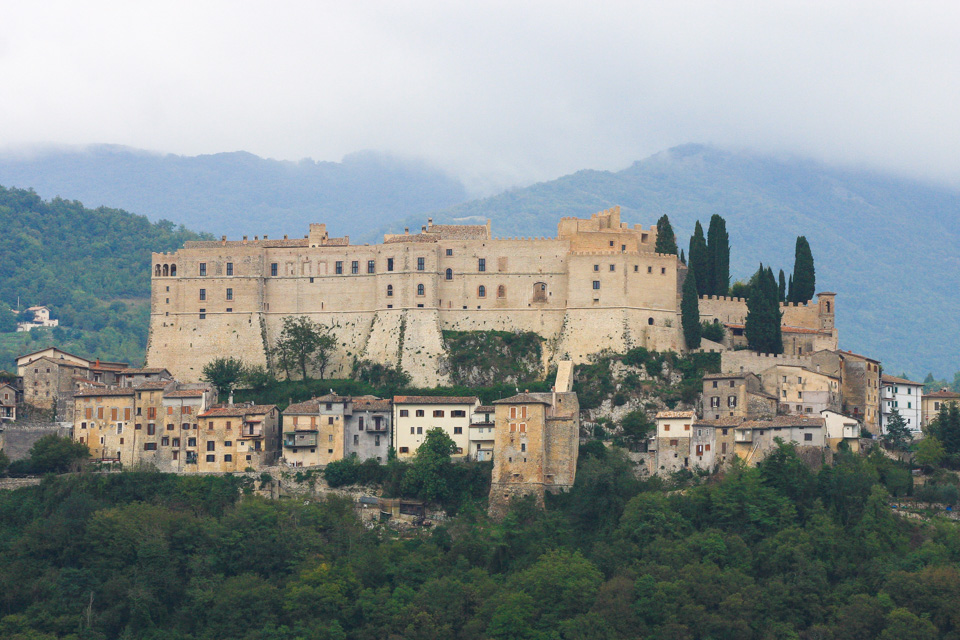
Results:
[237, 193]
[887, 245]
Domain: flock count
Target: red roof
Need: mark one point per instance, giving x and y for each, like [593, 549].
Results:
[238, 411]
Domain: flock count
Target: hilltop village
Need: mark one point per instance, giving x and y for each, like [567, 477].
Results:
[598, 287]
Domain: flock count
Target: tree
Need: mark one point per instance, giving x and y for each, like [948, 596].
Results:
[929, 452]
[302, 343]
[53, 454]
[699, 261]
[8, 319]
[666, 240]
[946, 427]
[782, 287]
[804, 274]
[223, 374]
[683, 258]
[258, 377]
[762, 327]
[690, 310]
[897, 435]
[635, 427]
[718, 248]
[712, 331]
[426, 478]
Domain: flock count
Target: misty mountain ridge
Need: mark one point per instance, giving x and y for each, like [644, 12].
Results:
[237, 193]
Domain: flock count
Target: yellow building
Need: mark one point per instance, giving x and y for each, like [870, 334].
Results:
[235, 438]
[104, 421]
[932, 402]
[801, 391]
[414, 416]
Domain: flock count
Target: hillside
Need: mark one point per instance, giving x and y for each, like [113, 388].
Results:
[238, 193]
[886, 245]
[90, 266]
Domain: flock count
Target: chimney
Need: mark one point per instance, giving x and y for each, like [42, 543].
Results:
[244, 239]
[284, 236]
[423, 229]
[406, 231]
[255, 238]
[264, 236]
[429, 222]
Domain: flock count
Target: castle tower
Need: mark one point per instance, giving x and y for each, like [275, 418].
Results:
[828, 309]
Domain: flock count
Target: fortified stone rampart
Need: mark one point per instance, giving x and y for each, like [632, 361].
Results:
[749, 361]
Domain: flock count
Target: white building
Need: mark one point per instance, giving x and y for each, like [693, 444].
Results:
[482, 433]
[41, 318]
[414, 416]
[903, 396]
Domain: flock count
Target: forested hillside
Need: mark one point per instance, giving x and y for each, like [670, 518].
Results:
[90, 266]
[888, 246]
[774, 552]
[239, 193]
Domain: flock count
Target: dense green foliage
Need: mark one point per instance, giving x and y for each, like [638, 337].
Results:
[896, 433]
[946, 429]
[224, 373]
[690, 309]
[303, 345]
[51, 454]
[773, 552]
[762, 327]
[804, 274]
[718, 248]
[666, 238]
[712, 331]
[90, 266]
[700, 261]
[489, 357]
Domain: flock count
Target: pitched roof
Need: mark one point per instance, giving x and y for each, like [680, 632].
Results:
[435, 399]
[676, 414]
[305, 407]
[238, 411]
[460, 231]
[943, 393]
[722, 422]
[896, 380]
[154, 385]
[418, 237]
[112, 391]
[484, 408]
[185, 393]
[143, 371]
[720, 376]
[371, 403]
[857, 355]
[781, 422]
[525, 398]
[27, 355]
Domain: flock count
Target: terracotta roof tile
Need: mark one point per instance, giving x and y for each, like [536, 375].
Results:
[525, 398]
[307, 407]
[154, 385]
[142, 371]
[238, 411]
[435, 399]
[943, 393]
[112, 391]
[676, 414]
[185, 393]
[896, 380]
[781, 422]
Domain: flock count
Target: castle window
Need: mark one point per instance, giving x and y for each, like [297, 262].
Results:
[623, 248]
[481, 264]
[371, 266]
[613, 267]
[481, 291]
[501, 291]
[596, 267]
[449, 252]
[596, 284]
[203, 294]
[355, 267]
[173, 270]
[229, 268]
[449, 274]
[203, 314]
[203, 268]
[157, 271]
[273, 268]
[523, 446]
[229, 309]
[389, 290]
[389, 264]
[649, 269]
[421, 264]
[636, 268]
[828, 307]
[611, 243]
[663, 271]
[166, 270]
[211, 458]
[338, 267]
[421, 290]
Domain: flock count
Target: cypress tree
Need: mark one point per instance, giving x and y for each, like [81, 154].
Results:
[666, 240]
[790, 289]
[763, 314]
[782, 292]
[718, 247]
[804, 274]
[700, 261]
[690, 310]
[683, 258]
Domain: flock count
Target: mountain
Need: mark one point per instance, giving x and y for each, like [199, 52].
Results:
[238, 193]
[887, 245]
[90, 266]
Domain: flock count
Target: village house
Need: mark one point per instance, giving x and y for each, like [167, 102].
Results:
[51, 376]
[414, 416]
[332, 427]
[41, 318]
[482, 437]
[736, 395]
[904, 397]
[859, 384]
[754, 439]
[801, 391]
[9, 398]
[131, 377]
[672, 441]
[931, 403]
[237, 437]
[841, 429]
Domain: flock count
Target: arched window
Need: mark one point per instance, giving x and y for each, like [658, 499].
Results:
[421, 290]
[157, 270]
[389, 290]
[166, 270]
[540, 292]
[449, 274]
[173, 270]
[481, 291]
[501, 291]
[649, 320]
[828, 306]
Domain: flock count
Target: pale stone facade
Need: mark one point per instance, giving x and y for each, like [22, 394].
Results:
[482, 437]
[672, 442]
[903, 396]
[52, 376]
[932, 402]
[754, 439]
[841, 429]
[597, 285]
[801, 391]
[414, 416]
[331, 427]
[736, 395]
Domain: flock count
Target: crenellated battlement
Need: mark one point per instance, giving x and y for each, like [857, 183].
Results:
[725, 299]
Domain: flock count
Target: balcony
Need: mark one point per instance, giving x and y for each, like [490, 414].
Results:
[377, 426]
[300, 439]
[743, 435]
[251, 430]
[851, 431]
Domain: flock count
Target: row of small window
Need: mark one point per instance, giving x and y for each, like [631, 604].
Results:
[897, 390]
[203, 269]
[203, 294]
[636, 269]
[355, 266]
[419, 431]
[438, 413]
[459, 450]
[151, 427]
[715, 401]
[896, 404]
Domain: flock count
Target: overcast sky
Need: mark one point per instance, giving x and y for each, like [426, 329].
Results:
[498, 93]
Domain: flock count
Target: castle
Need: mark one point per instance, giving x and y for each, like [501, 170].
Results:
[599, 285]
